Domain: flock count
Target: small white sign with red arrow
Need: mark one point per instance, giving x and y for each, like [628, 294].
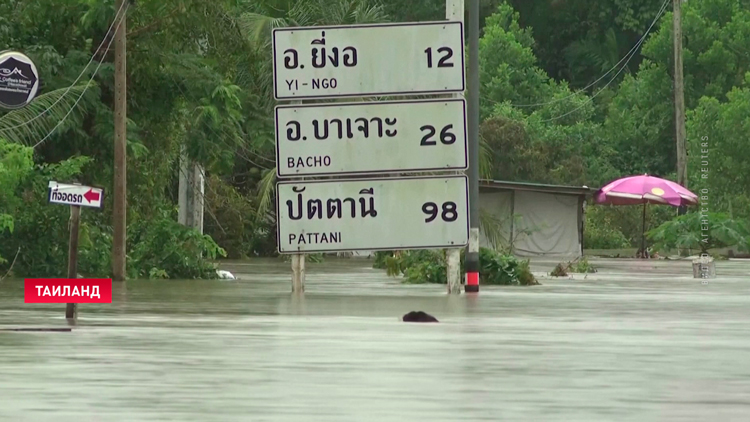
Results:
[83, 196]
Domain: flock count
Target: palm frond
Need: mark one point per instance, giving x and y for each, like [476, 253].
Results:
[370, 13]
[265, 193]
[493, 229]
[257, 27]
[485, 160]
[23, 126]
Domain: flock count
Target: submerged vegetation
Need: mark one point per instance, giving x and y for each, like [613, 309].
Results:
[200, 81]
[430, 267]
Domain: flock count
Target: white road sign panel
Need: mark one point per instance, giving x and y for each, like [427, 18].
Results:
[371, 137]
[428, 212]
[368, 60]
[67, 194]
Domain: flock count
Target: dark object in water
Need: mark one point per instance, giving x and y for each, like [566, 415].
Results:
[419, 316]
[58, 330]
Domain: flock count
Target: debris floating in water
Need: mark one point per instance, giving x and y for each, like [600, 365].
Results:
[419, 316]
[225, 275]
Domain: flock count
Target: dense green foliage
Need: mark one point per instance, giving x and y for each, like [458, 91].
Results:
[429, 267]
[702, 232]
[199, 78]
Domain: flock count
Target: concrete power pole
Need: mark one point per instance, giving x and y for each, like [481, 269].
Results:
[191, 193]
[679, 96]
[120, 169]
[472, 254]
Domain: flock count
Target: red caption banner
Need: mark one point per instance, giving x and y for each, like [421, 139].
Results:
[68, 290]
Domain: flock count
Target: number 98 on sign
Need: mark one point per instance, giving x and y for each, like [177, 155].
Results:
[428, 212]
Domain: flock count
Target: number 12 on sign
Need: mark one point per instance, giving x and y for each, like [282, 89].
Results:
[445, 54]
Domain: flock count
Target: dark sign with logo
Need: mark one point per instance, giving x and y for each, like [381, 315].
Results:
[19, 80]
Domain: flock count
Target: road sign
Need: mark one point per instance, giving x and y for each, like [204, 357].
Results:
[67, 194]
[19, 80]
[371, 137]
[368, 60]
[430, 212]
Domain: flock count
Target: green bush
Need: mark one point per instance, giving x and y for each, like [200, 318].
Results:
[583, 266]
[166, 249]
[30, 226]
[619, 227]
[577, 266]
[701, 232]
[429, 266]
[424, 266]
[380, 259]
[600, 231]
[38, 231]
[233, 223]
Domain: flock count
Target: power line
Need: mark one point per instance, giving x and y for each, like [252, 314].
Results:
[630, 53]
[106, 36]
[591, 98]
[78, 100]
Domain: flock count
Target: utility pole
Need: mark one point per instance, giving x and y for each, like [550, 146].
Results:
[192, 188]
[679, 99]
[472, 255]
[120, 168]
[454, 11]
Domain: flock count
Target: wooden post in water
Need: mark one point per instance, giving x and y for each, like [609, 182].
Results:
[298, 273]
[71, 309]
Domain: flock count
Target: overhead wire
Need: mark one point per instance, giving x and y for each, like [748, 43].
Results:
[78, 100]
[630, 54]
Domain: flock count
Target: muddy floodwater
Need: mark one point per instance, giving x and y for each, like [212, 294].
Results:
[630, 343]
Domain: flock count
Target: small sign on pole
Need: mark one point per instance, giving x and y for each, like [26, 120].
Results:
[79, 195]
[19, 80]
[76, 196]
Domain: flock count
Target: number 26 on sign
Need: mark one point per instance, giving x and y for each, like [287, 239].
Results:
[446, 136]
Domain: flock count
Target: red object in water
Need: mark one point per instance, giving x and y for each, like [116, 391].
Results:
[472, 282]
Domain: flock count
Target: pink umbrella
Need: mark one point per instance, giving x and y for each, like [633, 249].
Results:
[645, 189]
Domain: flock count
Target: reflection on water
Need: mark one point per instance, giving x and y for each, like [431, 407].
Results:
[247, 350]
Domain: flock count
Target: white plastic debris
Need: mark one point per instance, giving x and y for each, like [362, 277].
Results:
[225, 275]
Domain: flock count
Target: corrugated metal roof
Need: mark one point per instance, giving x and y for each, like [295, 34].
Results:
[486, 184]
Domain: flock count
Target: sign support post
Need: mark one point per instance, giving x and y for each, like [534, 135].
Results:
[71, 309]
[75, 196]
[454, 11]
[298, 260]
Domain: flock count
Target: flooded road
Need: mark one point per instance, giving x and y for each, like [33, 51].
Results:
[602, 349]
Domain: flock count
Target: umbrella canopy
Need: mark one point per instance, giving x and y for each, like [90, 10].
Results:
[645, 189]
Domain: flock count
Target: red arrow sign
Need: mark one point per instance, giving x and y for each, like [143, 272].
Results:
[91, 195]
